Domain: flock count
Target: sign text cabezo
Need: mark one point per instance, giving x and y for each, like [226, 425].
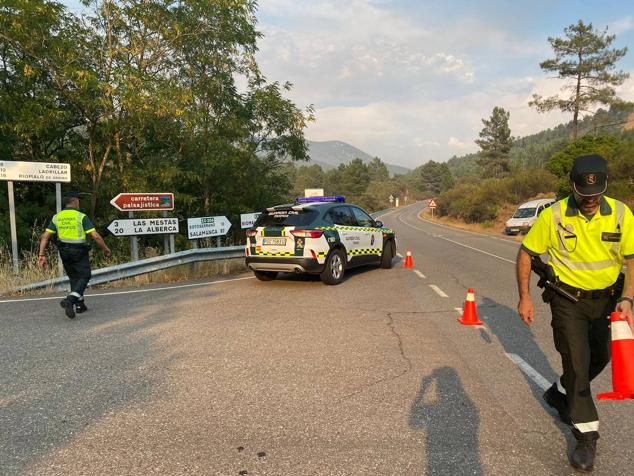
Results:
[34, 171]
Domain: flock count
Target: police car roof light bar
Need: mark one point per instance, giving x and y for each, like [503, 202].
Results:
[332, 198]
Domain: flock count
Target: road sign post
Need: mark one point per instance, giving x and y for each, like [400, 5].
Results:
[136, 202]
[12, 171]
[14, 232]
[58, 208]
[166, 240]
[431, 204]
[134, 243]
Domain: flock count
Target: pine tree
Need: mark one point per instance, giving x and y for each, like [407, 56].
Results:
[584, 59]
[495, 142]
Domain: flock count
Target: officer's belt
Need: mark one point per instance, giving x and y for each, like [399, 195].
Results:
[610, 291]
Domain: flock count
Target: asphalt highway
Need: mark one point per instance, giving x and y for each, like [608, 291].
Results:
[240, 377]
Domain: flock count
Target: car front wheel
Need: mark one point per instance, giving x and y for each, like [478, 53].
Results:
[388, 254]
[335, 268]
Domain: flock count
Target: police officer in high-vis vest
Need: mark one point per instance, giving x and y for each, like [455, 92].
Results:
[588, 238]
[71, 227]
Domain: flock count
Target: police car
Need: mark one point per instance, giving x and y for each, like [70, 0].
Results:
[318, 235]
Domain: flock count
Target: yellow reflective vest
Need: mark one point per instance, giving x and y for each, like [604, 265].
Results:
[584, 253]
[71, 226]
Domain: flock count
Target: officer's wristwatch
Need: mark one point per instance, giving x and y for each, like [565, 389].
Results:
[626, 298]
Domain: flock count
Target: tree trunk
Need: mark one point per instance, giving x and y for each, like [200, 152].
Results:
[96, 175]
[577, 106]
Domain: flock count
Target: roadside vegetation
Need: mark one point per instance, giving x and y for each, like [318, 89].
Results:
[143, 96]
[166, 96]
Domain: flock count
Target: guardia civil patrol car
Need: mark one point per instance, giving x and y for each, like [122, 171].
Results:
[318, 235]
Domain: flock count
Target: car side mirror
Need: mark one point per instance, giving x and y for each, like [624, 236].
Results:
[378, 224]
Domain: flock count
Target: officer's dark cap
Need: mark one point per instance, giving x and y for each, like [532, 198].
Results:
[589, 175]
[71, 195]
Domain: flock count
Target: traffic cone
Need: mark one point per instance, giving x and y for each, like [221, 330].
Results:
[470, 314]
[409, 262]
[622, 362]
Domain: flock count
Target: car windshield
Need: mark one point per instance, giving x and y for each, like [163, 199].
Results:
[286, 217]
[524, 213]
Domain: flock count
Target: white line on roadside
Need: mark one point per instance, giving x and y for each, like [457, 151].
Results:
[533, 374]
[439, 291]
[458, 243]
[419, 274]
[134, 291]
[485, 235]
[458, 310]
[399, 255]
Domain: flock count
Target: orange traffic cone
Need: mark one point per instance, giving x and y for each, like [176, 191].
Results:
[409, 262]
[622, 362]
[470, 314]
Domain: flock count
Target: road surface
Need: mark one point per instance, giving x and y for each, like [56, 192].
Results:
[371, 377]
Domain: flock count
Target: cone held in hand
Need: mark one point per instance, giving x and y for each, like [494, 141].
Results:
[409, 262]
[470, 314]
[622, 360]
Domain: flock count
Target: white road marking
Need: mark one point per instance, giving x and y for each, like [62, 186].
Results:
[533, 374]
[457, 243]
[458, 310]
[134, 291]
[419, 274]
[399, 255]
[485, 235]
[439, 291]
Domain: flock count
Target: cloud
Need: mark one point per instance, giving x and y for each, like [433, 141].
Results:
[456, 143]
[406, 82]
[441, 128]
[621, 25]
[355, 52]
[418, 142]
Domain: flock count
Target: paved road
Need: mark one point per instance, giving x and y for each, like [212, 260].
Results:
[374, 376]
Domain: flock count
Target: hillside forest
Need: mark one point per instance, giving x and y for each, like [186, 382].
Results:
[166, 96]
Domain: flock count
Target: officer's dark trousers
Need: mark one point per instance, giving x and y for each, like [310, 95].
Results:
[582, 337]
[77, 265]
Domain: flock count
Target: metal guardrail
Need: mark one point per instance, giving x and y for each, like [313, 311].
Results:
[149, 265]
[144, 266]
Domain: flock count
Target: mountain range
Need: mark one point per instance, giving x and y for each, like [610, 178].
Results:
[330, 154]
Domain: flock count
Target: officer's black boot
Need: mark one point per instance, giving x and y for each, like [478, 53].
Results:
[582, 457]
[68, 303]
[558, 401]
[80, 307]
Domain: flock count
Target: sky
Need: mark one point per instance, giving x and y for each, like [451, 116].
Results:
[411, 80]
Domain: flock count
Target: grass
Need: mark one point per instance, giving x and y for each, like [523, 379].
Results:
[29, 271]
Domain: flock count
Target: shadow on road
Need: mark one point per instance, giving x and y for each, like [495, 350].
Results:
[517, 338]
[60, 377]
[451, 423]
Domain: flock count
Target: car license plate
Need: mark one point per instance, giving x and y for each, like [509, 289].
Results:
[274, 241]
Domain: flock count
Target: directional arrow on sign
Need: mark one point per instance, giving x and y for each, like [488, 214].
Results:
[144, 226]
[205, 227]
[131, 202]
